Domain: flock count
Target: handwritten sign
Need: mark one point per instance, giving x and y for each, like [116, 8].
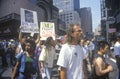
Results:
[47, 29]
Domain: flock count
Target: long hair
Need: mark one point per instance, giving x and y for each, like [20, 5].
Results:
[33, 45]
[70, 30]
[48, 42]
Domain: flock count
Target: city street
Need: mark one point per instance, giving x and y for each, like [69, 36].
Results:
[6, 72]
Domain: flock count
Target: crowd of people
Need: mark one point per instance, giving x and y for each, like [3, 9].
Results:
[77, 57]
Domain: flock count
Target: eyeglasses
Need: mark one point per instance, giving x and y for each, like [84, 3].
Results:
[78, 31]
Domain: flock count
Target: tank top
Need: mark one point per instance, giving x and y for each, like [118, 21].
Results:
[105, 76]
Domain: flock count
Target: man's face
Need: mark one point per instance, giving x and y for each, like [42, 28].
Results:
[105, 50]
[77, 32]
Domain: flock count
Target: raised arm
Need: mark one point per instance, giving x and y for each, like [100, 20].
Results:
[20, 34]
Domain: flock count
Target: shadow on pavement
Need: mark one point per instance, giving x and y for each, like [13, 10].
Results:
[5, 78]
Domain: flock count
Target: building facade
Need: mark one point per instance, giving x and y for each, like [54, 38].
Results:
[67, 5]
[86, 19]
[110, 8]
[10, 15]
[70, 17]
[68, 11]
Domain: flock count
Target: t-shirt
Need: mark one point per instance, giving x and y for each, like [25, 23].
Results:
[117, 48]
[29, 68]
[47, 56]
[71, 57]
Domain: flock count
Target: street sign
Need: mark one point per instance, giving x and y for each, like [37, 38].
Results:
[111, 20]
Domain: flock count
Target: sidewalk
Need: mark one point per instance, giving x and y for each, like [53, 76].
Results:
[5, 73]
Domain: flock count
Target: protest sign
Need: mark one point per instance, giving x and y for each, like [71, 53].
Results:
[29, 21]
[47, 29]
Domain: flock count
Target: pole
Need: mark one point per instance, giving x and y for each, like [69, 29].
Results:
[107, 25]
[107, 31]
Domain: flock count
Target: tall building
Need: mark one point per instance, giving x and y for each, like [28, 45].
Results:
[68, 11]
[67, 5]
[110, 8]
[86, 19]
[10, 15]
[70, 17]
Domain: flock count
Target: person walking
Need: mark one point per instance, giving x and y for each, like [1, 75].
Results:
[71, 55]
[102, 68]
[47, 57]
[25, 62]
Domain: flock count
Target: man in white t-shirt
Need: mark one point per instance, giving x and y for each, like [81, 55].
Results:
[71, 55]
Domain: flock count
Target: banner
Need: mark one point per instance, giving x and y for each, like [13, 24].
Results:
[29, 21]
[47, 29]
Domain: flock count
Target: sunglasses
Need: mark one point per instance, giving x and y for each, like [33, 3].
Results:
[78, 31]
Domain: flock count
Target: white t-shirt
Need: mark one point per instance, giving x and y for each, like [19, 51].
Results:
[71, 58]
[117, 48]
[47, 56]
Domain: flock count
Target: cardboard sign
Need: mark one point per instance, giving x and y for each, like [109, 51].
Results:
[47, 29]
[29, 21]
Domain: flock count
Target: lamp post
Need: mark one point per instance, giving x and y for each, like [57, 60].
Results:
[107, 25]
[107, 30]
[109, 21]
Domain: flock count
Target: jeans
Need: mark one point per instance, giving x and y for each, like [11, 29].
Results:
[21, 76]
[48, 72]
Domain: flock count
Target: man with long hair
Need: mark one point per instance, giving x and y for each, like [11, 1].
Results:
[71, 55]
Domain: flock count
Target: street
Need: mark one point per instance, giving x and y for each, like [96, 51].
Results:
[6, 72]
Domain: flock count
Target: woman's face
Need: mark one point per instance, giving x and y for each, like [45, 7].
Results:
[105, 49]
[28, 47]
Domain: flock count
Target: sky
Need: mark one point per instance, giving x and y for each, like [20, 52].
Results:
[95, 9]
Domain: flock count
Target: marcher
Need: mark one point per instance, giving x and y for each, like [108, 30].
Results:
[102, 68]
[47, 57]
[117, 52]
[26, 62]
[22, 39]
[71, 55]
[3, 54]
